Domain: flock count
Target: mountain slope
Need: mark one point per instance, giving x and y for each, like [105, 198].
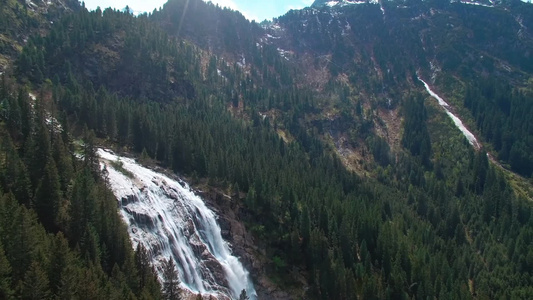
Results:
[19, 20]
[319, 90]
[370, 53]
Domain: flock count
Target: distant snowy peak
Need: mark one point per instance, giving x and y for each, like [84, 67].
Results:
[486, 3]
[341, 3]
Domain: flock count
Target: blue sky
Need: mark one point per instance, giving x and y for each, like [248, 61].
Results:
[252, 9]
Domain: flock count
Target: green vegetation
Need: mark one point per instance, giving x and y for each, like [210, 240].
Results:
[440, 221]
[505, 118]
[60, 234]
[21, 19]
[119, 166]
[416, 136]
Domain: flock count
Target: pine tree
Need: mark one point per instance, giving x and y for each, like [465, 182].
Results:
[13, 175]
[5, 276]
[243, 295]
[90, 158]
[70, 282]
[89, 244]
[48, 196]
[16, 222]
[144, 156]
[142, 261]
[35, 285]
[63, 161]
[171, 281]
[26, 117]
[81, 207]
[60, 259]
[37, 153]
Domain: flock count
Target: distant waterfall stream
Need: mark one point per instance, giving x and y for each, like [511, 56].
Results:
[170, 220]
[458, 123]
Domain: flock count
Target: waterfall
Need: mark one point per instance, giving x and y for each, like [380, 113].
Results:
[458, 123]
[170, 220]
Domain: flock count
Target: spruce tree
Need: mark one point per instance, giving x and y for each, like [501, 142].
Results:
[171, 281]
[5, 276]
[60, 259]
[243, 295]
[35, 285]
[142, 262]
[37, 153]
[90, 157]
[48, 196]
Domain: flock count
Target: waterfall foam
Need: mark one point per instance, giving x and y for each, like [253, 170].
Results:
[170, 220]
[458, 123]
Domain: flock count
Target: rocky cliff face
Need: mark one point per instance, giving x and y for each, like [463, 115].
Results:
[247, 248]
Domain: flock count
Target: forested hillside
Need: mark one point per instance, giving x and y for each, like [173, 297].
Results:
[60, 235]
[21, 19]
[428, 216]
[504, 116]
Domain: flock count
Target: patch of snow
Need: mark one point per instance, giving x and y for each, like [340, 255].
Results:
[506, 67]
[32, 96]
[343, 3]
[346, 29]
[242, 63]
[30, 3]
[272, 37]
[318, 21]
[349, 2]
[417, 17]
[520, 22]
[275, 26]
[284, 53]
[434, 71]
[352, 2]
[51, 121]
[476, 3]
[220, 74]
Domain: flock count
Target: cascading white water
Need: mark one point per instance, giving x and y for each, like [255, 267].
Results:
[170, 220]
[458, 123]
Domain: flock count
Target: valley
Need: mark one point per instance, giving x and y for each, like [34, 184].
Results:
[335, 152]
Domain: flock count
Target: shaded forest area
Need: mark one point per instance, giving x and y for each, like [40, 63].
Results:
[504, 116]
[60, 234]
